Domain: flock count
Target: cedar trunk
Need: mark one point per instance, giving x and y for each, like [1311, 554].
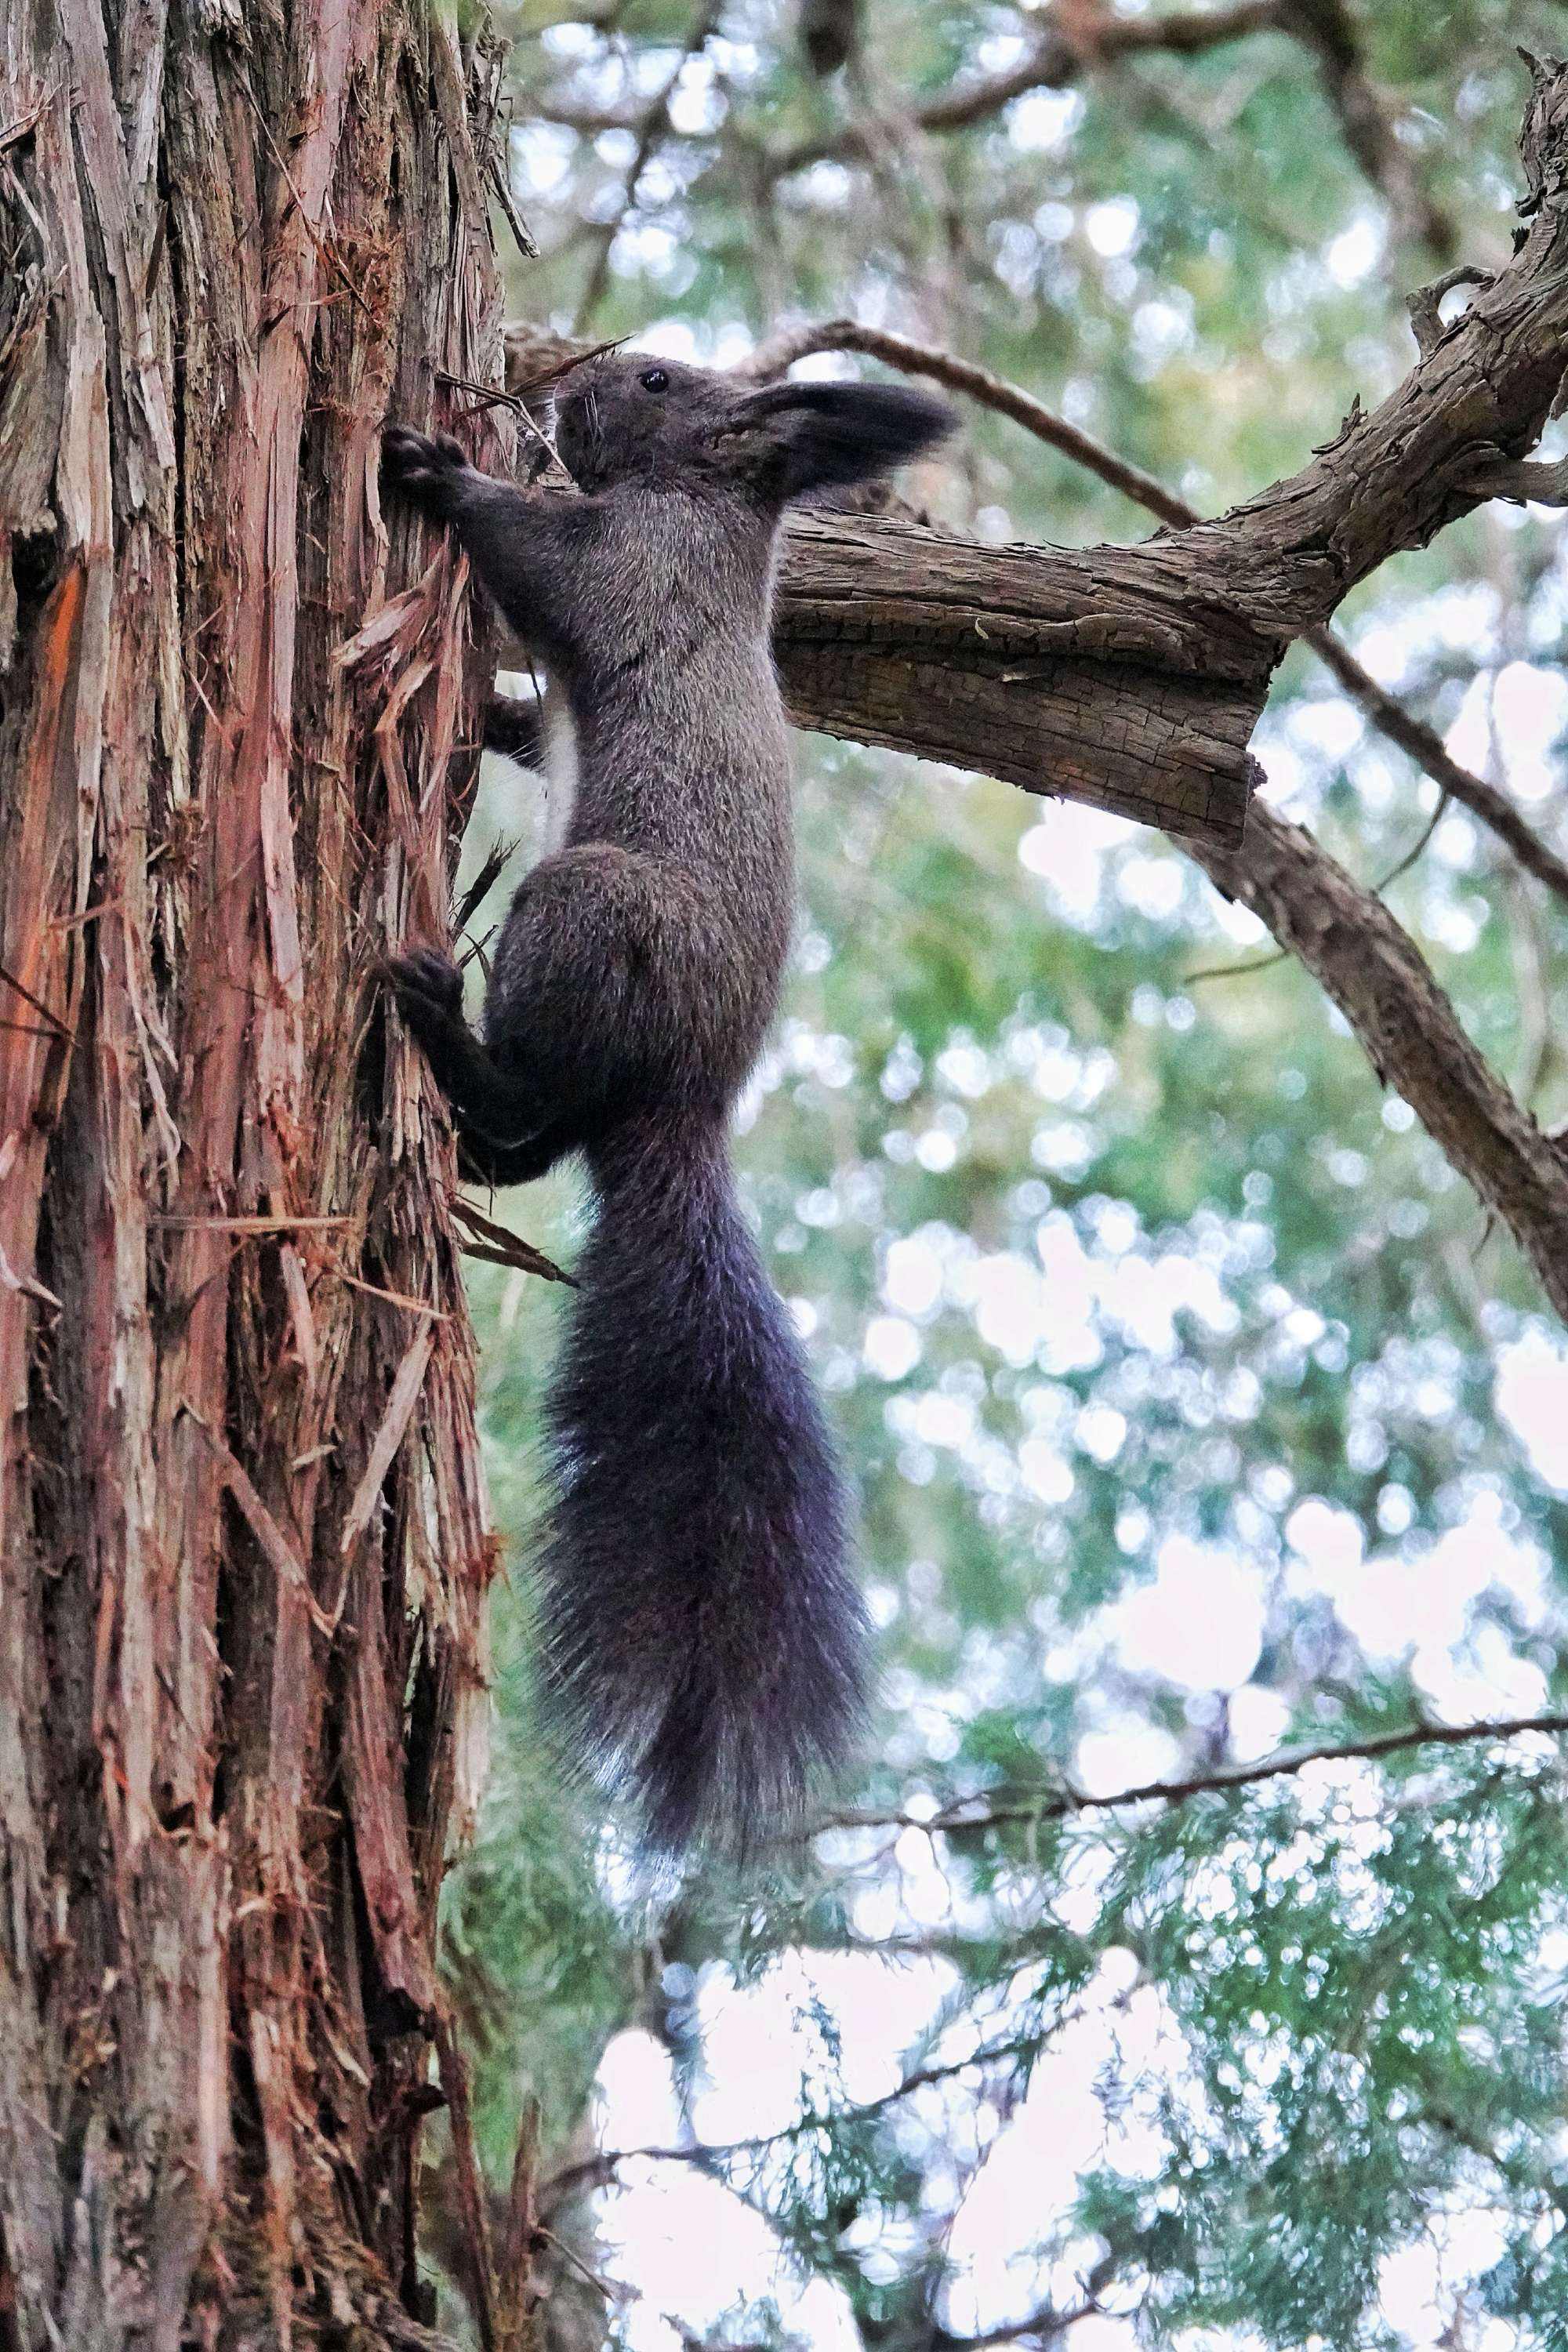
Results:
[245, 1547]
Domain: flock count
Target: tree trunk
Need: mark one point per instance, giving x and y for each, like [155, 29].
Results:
[245, 1547]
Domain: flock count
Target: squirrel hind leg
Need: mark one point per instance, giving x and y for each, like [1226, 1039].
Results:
[497, 1165]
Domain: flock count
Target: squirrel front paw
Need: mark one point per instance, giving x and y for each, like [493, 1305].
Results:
[423, 468]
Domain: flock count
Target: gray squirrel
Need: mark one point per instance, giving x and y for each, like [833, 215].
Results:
[703, 1640]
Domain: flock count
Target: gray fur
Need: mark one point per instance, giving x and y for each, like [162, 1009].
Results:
[702, 1638]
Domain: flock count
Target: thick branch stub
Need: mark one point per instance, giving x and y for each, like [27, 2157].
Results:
[1131, 678]
[1124, 678]
[1166, 750]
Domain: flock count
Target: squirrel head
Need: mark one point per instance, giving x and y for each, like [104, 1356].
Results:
[620, 416]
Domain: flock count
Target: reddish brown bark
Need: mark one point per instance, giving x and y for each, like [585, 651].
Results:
[245, 1547]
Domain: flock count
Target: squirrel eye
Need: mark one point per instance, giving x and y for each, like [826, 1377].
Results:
[656, 380]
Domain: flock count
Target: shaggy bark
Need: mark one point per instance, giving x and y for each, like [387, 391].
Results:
[244, 1548]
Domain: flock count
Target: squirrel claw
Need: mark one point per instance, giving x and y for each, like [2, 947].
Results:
[420, 467]
[425, 982]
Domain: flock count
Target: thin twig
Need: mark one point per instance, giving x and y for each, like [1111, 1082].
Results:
[472, 2205]
[595, 2171]
[609, 2288]
[1425, 305]
[181, 1225]
[1236, 971]
[501, 181]
[650, 129]
[1404, 863]
[494, 864]
[25, 123]
[492, 395]
[771, 358]
[58, 1026]
[1059, 1803]
[391, 1297]
[1425, 747]
[500, 1247]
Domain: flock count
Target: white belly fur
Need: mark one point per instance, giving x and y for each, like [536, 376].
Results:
[560, 780]
[555, 795]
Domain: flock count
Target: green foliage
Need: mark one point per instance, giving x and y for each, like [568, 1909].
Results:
[1138, 1305]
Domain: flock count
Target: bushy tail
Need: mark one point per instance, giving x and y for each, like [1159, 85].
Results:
[703, 1639]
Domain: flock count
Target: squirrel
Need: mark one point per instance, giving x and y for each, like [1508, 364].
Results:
[703, 1640]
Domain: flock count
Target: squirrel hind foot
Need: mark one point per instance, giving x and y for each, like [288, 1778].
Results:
[424, 975]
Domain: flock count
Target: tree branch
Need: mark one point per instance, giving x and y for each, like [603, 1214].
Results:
[1392, 478]
[1342, 931]
[1368, 964]
[1152, 663]
[1059, 1804]
[1327, 30]
[1427, 748]
[980, 1813]
[1066, 51]
[1544, 486]
[1420, 743]
[650, 126]
[1131, 678]
[781, 352]
[597, 2171]
[1049, 2322]
[1055, 61]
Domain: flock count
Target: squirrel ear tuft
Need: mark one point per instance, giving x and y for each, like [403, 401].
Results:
[833, 434]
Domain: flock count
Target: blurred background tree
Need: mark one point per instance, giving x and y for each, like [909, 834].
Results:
[1197, 1410]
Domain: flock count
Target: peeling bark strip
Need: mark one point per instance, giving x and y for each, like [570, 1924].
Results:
[243, 1549]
